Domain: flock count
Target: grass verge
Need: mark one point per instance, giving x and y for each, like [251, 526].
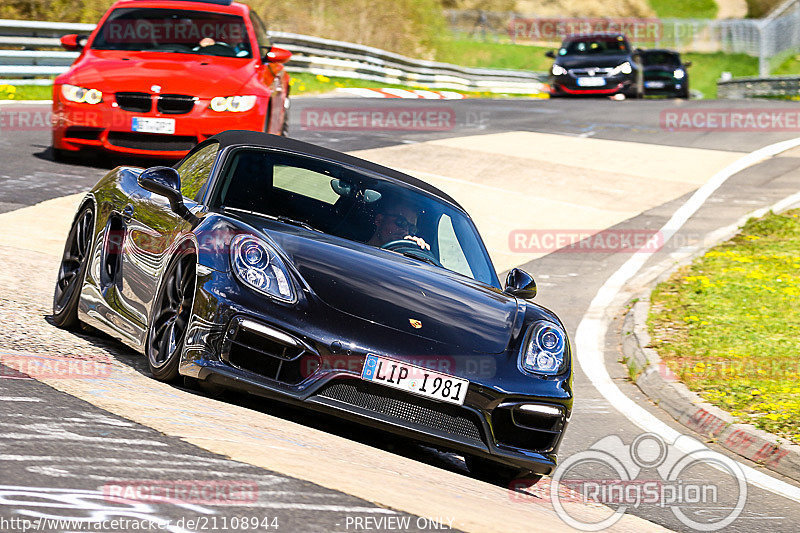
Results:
[728, 325]
[685, 9]
[26, 92]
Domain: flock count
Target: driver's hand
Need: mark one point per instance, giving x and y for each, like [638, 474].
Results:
[207, 41]
[420, 242]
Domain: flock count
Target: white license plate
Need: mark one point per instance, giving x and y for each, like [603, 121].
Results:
[415, 379]
[591, 82]
[654, 84]
[153, 125]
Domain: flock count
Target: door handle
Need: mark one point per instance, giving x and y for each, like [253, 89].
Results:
[127, 213]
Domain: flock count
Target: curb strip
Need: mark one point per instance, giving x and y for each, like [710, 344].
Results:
[688, 408]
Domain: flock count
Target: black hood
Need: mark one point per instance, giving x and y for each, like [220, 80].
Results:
[394, 291]
[600, 61]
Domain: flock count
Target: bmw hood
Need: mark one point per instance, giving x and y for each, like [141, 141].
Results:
[402, 293]
[174, 73]
[570, 62]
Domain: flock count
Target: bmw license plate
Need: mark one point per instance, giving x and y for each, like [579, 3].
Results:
[415, 379]
[591, 82]
[153, 125]
[654, 84]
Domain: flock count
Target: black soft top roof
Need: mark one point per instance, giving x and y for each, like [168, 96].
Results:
[266, 140]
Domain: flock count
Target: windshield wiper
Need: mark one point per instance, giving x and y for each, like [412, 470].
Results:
[293, 222]
[279, 218]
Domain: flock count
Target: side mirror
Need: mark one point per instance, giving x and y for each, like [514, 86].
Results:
[550, 54]
[520, 283]
[73, 42]
[277, 55]
[687, 64]
[166, 182]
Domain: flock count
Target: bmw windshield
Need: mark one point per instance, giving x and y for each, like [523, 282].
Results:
[346, 203]
[174, 30]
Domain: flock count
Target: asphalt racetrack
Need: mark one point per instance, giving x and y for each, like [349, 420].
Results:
[518, 167]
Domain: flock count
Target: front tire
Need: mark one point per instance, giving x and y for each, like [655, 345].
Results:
[170, 318]
[72, 271]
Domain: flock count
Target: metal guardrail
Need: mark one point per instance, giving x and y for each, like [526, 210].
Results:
[311, 54]
[755, 87]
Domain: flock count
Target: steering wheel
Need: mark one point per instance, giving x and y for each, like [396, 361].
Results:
[410, 248]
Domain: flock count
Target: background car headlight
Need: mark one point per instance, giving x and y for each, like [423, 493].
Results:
[624, 68]
[544, 350]
[235, 104]
[81, 95]
[558, 70]
[257, 265]
[679, 74]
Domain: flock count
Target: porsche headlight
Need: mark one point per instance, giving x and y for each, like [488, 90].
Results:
[679, 74]
[624, 68]
[81, 95]
[235, 104]
[257, 265]
[558, 70]
[545, 348]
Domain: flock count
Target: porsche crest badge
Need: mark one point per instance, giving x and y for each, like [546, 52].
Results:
[416, 324]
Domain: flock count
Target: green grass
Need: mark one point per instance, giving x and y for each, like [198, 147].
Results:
[707, 68]
[25, 92]
[728, 324]
[698, 9]
[493, 55]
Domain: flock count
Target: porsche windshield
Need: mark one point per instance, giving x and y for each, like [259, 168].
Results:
[352, 205]
[174, 30]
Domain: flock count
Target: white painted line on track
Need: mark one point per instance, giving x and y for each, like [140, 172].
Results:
[25, 102]
[591, 332]
[19, 399]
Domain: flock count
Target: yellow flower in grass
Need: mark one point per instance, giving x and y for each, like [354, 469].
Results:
[323, 79]
[302, 87]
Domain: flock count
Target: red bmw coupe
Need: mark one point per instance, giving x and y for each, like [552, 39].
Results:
[157, 77]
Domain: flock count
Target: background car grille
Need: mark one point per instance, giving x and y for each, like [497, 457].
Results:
[577, 72]
[152, 141]
[175, 104]
[398, 405]
[136, 102]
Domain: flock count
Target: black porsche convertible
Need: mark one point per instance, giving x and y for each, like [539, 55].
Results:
[299, 273]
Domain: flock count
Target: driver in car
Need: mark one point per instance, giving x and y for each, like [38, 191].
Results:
[396, 221]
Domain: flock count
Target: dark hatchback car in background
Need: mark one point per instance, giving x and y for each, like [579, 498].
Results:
[295, 272]
[665, 73]
[596, 64]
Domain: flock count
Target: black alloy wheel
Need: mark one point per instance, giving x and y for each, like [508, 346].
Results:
[72, 271]
[170, 318]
